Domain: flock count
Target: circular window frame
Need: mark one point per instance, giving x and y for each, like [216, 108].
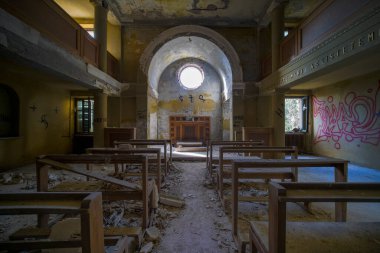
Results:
[193, 65]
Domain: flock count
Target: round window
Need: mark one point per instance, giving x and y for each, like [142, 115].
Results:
[191, 76]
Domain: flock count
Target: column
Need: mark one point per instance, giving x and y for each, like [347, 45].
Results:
[101, 10]
[278, 107]
[277, 29]
[100, 117]
[123, 44]
[227, 122]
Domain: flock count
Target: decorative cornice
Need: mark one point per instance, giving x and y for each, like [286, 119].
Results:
[334, 37]
[360, 35]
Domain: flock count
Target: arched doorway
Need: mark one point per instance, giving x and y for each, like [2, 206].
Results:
[161, 63]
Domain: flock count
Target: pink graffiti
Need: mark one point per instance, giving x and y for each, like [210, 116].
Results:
[356, 117]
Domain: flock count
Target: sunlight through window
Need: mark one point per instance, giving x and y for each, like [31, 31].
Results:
[191, 77]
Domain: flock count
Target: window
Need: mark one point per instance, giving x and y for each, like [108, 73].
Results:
[296, 114]
[92, 33]
[191, 76]
[84, 116]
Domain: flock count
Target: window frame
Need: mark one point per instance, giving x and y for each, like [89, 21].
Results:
[305, 103]
[84, 129]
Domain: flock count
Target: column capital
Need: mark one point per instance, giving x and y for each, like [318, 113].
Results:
[100, 3]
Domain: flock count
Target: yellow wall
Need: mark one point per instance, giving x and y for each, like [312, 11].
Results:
[37, 138]
[114, 40]
[250, 112]
[113, 112]
[264, 112]
[346, 120]
[128, 112]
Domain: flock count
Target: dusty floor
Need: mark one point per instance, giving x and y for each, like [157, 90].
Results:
[201, 225]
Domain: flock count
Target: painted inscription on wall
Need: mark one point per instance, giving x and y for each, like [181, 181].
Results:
[191, 98]
[344, 49]
[354, 117]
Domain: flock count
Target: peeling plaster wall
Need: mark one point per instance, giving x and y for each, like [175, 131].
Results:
[136, 40]
[250, 112]
[127, 111]
[244, 42]
[169, 102]
[153, 112]
[52, 103]
[264, 111]
[191, 47]
[227, 120]
[346, 120]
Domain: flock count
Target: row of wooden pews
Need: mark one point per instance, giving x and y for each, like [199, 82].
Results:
[339, 166]
[224, 173]
[165, 160]
[237, 165]
[88, 206]
[277, 235]
[137, 176]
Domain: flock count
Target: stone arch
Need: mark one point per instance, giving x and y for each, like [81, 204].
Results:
[191, 30]
[228, 64]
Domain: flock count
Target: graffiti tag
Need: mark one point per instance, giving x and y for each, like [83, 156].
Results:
[356, 117]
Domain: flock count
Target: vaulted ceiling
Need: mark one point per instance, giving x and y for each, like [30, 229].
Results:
[195, 12]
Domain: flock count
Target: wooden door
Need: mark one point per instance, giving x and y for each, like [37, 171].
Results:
[184, 128]
[189, 132]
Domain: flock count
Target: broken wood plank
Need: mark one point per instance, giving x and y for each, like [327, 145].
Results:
[91, 174]
[171, 201]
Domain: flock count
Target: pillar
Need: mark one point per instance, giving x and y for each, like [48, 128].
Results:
[100, 117]
[277, 29]
[101, 10]
[278, 107]
[227, 119]
[123, 57]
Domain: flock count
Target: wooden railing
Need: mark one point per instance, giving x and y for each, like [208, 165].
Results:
[54, 23]
[113, 66]
[266, 66]
[288, 48]
[323, 22]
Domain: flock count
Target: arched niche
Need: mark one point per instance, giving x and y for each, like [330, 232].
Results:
[185, 42]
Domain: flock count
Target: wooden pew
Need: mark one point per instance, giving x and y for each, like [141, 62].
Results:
[131, 191]
[142, 142]
[210, 161]
[266, 173]
[142, 151]
[87, 205]
[339, 166]
[280, 236]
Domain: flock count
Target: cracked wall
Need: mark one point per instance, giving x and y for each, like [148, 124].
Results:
[175, 100]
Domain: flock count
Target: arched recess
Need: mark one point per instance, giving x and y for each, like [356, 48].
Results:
[9, 112]
[184, 42]
[191, 30]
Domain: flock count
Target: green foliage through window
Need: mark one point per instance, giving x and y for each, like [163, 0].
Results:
[296, 114]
